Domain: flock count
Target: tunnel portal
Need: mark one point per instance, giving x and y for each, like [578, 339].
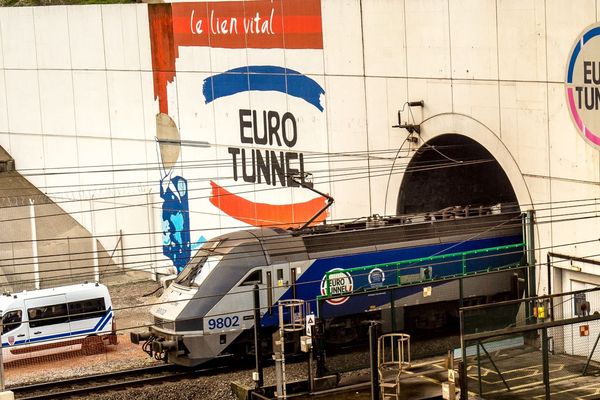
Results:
[453, 170]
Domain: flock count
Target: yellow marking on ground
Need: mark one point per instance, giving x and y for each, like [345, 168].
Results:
[534, 371]
[594, 387]
[527, 386]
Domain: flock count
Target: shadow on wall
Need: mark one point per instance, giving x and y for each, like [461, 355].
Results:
[64, 247]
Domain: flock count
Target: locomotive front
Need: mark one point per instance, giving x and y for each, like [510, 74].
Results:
[208, 306]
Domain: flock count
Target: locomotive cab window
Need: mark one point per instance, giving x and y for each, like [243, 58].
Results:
[255, 277]
[11, 320]
[200, 265]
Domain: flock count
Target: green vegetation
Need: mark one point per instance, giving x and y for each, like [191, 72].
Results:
[18, 3]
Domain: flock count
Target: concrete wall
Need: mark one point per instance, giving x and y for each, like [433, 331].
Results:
[77, 92]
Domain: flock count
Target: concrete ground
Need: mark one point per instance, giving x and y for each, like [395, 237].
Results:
[522, 371]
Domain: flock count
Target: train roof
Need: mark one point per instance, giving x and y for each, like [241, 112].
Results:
[381, 234]
[384, 234]
[375, 234]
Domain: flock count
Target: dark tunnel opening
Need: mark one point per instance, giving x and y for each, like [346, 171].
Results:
[453, 170]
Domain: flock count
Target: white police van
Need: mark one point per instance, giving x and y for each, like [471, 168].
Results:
[49, 321]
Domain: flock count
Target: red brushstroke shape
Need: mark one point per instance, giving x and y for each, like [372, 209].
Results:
[164, 52]
[295, 24]
[262, 214]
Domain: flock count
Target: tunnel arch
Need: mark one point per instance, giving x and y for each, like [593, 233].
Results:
[453, 170]
[459, 162]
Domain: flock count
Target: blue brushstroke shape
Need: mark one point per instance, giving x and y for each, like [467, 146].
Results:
[263, 78]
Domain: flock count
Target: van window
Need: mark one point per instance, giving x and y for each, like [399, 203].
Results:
[48, 315]
[11, 320]
[253, 278]
[90, 308]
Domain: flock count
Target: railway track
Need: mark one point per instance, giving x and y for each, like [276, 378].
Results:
[102, 383]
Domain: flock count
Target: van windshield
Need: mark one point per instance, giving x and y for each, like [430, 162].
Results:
[200, 266]
[11, 320]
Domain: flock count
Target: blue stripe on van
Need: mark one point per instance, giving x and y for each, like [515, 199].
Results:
[99, 326]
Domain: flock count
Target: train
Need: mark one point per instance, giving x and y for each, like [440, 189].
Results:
[208, 310]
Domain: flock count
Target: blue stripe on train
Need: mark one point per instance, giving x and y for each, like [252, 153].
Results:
[309, 284]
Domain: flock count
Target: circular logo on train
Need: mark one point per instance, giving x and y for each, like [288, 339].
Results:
[582, 84]
[339, 283]
[376, 277]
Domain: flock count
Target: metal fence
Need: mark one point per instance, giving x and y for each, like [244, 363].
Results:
[412, 315]
[551, 343]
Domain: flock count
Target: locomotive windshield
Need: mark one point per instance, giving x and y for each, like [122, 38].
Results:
[200, 266]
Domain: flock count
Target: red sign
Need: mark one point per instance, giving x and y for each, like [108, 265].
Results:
[262, 24]
[584, 330]
[290, 24]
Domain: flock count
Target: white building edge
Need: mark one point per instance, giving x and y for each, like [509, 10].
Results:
[78, 107]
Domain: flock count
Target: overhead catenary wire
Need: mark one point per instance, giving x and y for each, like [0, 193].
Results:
[205, 229]
[156, 165]
[54, 256]
[450, 261]
[328, 173]
[134, 263]
[539, 207]
[349, 177]
[247, 253]
[418, 230]
[191, 166]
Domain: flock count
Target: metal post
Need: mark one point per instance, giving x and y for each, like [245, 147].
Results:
[318, 343]
[34, 249]
[122, 255]
[493, 364]
[463, 369]
[550, 286]
[257, 338]
[374, 367]
[310, 375]
[151, 230]
[280, 358]
[69, 257]
[479, 370]
[460, 292]
[545, 362]
[587, 364]
[311, 378]
[392, 310]
[96, 264]
[2, 387]
[531, 252]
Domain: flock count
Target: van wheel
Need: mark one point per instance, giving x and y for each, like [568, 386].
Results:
[92, 345]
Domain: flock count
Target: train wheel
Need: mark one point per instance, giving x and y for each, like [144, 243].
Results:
[92, 345]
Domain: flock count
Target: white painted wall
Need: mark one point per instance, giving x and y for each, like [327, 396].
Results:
[76, 91]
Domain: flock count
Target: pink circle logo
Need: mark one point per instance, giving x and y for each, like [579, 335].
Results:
[582, 84]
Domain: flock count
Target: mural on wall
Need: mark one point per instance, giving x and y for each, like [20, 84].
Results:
[266, 111]
[175, 215]
[582, 84]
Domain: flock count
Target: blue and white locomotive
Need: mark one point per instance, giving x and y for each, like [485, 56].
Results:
[208, 310]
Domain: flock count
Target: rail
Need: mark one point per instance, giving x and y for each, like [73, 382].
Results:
[112, 381]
